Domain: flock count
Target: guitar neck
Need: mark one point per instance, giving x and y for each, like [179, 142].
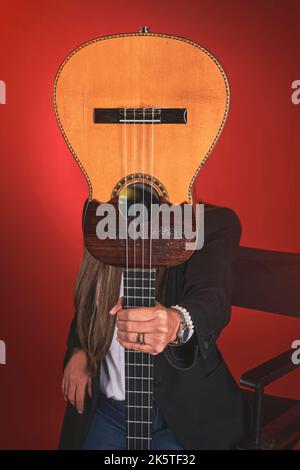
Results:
[139, 291]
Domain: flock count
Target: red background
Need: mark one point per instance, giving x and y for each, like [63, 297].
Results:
[254, 169]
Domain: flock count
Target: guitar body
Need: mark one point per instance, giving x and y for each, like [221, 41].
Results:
[137, 71]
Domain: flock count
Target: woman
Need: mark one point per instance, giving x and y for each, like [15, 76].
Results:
[197, 403]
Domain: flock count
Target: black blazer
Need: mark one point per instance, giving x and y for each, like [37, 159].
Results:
[194, 390]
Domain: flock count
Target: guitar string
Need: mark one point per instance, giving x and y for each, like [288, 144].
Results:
[125, 281]
[134, 272]
[150, 403]
[143, 247]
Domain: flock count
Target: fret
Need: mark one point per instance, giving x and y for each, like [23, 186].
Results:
[138, 399]
[145, 284]
[140, 378]
[139, 283]
[148, 287]
[139, 365]
[135, 292]
[140, 385]
[135, 305]
[132, 282]
[136, 361]
[139, 355]
[143, 371]
[140, 391]
[148, 303]
[138, 422]
[141, 275]
[139, 297]
[137, 288]
[141, 406]
[143, 413]
[143, 438]
[135, 358]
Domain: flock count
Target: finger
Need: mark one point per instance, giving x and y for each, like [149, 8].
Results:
[79, 396]
[90, 387]
[137, 314]
[138, 347]
[116, 308]
[71, 393]
[137, 326]
[65, 387]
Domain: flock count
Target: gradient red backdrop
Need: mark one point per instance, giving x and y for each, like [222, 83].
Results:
[254, 169]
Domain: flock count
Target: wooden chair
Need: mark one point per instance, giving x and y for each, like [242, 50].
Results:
[269, 281]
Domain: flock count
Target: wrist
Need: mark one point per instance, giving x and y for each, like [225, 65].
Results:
[186, 326]
[175, 324]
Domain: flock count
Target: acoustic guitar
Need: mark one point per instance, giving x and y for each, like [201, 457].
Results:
[140, 113]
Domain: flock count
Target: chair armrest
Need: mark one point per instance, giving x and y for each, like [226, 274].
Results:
[257, 379]
[268, 371]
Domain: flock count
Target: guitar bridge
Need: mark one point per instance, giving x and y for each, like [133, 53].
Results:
[140, 115]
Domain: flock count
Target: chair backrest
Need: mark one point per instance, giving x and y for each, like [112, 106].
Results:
[267, 280]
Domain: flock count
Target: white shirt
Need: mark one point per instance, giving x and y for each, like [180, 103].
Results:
[112, 373]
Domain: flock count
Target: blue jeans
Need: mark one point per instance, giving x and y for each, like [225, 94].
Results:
[108, 429]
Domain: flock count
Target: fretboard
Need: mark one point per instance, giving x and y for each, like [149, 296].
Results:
[139, 291]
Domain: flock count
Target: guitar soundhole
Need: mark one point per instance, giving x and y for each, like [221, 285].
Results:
[137, 193]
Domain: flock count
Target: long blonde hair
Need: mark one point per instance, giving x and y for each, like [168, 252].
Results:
[96, 292]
